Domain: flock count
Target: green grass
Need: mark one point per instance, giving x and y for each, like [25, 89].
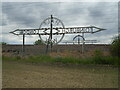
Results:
[109, 60]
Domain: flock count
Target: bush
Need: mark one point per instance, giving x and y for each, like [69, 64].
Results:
[38, 42]
[3, 43]
[115, 46]
[98, 59]
[18, 57]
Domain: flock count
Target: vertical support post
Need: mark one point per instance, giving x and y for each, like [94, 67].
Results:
[83, 43]
[47, 46]
[50, 36]
[51, 32]
[78, 40]
[66, 43]
[23, 48]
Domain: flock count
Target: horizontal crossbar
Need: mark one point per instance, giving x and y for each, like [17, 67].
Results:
[59, 31]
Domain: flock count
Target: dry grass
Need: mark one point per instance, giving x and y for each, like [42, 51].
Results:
[77, 54]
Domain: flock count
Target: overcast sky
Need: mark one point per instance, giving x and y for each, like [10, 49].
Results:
[18, 15]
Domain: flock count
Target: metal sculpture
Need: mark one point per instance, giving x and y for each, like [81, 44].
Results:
[54, 30]
[78, 36]
[54, 24]
[83, 41]
[52, 27]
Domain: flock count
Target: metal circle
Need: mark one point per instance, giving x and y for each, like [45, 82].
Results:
[78, 37]
[57, 23]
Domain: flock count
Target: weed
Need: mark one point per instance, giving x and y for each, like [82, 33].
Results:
[97, 59]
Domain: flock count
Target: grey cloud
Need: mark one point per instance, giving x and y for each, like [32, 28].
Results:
[72, 14]
[27, 13]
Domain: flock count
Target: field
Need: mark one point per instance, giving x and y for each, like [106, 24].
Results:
[57, 75]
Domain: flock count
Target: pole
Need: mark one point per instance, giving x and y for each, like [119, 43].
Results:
[51, 32]
[23, 48]
[83, 43]
[47, 46]
[78, 40]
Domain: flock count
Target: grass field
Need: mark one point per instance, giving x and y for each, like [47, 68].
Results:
[50, 75]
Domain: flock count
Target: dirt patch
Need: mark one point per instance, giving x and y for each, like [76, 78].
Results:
[27, 75]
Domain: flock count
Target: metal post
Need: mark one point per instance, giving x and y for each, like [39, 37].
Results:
[78, 40]
[51, 27]
[23, 48]
[51, 32]
[50, 36]
[83, 43]
[47, 46]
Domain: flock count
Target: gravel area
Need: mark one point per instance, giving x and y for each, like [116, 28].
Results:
[28, 75]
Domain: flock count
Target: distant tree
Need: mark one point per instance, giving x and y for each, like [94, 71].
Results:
[3, 43]
[115, 46]
[38, 42]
